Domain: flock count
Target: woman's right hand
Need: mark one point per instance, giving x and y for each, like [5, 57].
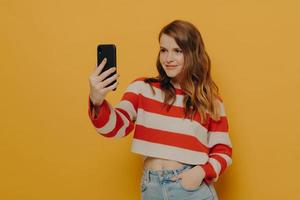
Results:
[98, 89]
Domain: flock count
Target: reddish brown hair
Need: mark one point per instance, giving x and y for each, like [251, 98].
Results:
[201, 92]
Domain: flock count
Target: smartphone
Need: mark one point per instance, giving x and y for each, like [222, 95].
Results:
[109, 52]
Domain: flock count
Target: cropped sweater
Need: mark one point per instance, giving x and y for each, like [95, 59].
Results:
[163, 133]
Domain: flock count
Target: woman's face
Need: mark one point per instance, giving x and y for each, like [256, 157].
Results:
[171, 56]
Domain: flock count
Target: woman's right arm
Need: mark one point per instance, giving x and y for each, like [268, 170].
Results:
[109, 121]
[116, 121]
[94, 109]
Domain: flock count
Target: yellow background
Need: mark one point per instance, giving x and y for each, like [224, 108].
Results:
[50, 150]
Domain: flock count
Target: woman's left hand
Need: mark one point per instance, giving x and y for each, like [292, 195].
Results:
[191, 178]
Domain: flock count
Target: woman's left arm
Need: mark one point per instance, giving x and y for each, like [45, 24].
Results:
[220, 151]
[219, 142]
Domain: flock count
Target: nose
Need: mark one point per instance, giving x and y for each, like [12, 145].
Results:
[169, 57]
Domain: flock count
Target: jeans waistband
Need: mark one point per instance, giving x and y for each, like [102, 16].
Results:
[165, 174]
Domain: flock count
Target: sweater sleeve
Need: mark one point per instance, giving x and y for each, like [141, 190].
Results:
[117, 121]
[220, 147]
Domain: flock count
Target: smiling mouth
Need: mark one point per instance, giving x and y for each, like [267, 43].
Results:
[171, 66]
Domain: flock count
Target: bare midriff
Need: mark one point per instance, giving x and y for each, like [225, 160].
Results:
[159, 163]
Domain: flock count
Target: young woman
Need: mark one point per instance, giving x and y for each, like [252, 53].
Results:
[180, 125]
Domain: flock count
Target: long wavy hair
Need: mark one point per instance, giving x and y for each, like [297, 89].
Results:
[201, 92]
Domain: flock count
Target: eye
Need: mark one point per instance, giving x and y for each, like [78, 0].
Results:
[162, 50]
[178, 51]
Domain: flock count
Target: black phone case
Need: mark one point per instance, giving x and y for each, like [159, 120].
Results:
[107, 51]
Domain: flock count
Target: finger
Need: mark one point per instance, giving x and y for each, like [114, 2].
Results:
[110, 88]
[110, 80]
[106, 73]
[100, 67]
[174, 178]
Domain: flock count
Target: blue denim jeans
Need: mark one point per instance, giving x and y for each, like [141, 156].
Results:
[157, 185]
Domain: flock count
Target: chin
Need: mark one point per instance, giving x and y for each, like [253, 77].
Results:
[171, 75]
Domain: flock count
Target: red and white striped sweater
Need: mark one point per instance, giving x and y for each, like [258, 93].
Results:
[166, 134]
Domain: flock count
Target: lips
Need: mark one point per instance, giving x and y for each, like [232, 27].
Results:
[170, 66]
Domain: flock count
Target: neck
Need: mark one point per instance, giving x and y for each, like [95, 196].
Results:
[175, 84]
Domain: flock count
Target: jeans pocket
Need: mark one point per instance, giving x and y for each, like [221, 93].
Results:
[206, 191]
[187, 189]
